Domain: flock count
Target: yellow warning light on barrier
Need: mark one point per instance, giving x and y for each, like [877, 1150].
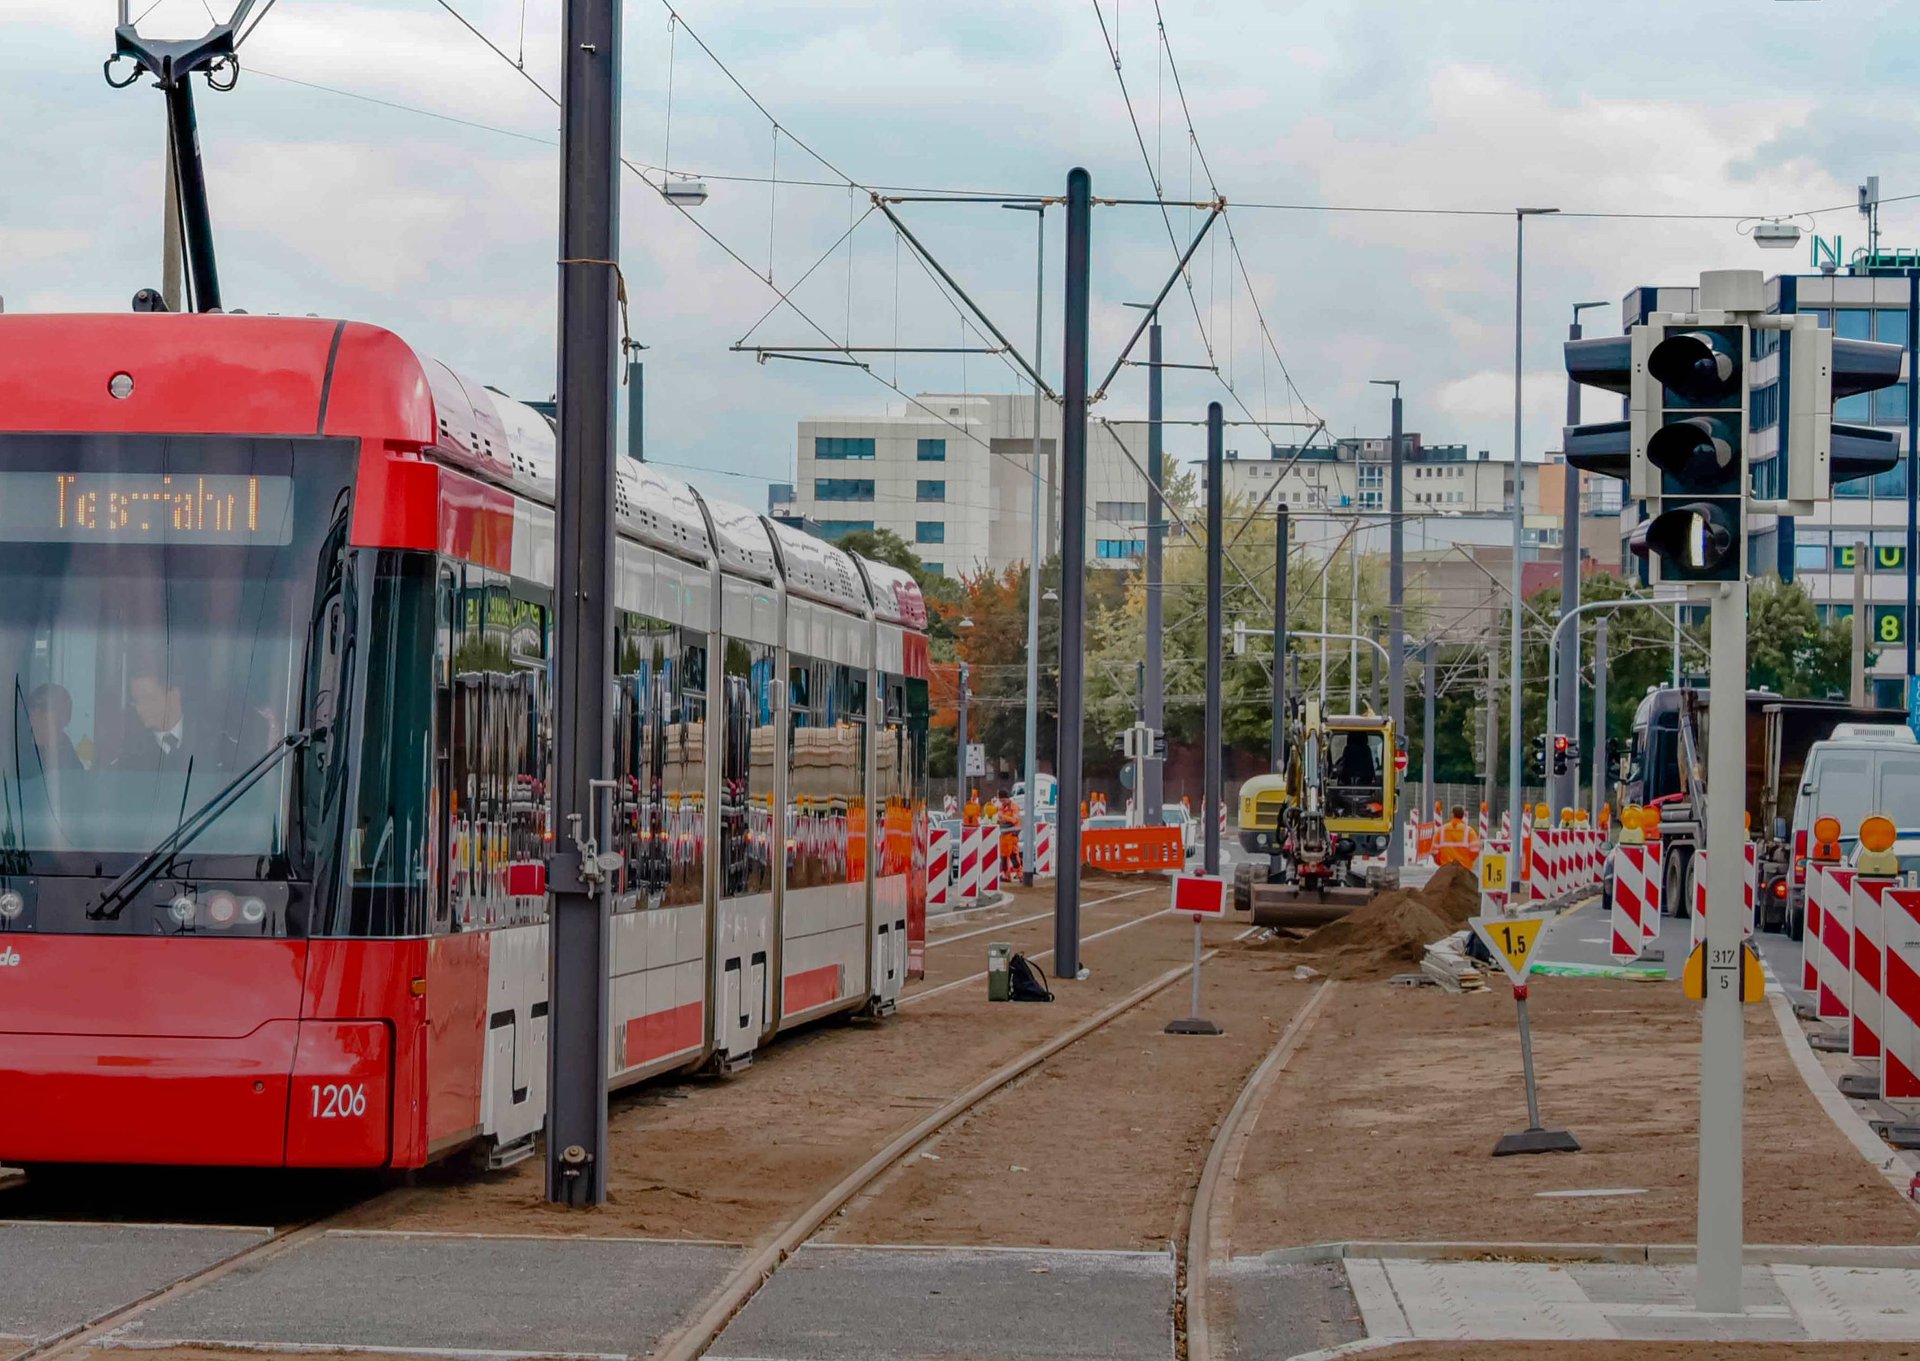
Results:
[1541, 813]
[1876, 855]
[1631, 826]
[1877, 833]
[1826, 840]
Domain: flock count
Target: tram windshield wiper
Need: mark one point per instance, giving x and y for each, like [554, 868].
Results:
[148, 867]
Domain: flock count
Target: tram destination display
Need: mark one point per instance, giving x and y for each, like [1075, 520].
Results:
[52, 506]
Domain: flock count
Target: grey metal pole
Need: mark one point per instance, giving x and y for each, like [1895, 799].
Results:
[1491, 744]
[1722, 1058]
[1526, 1058]
[1281, 548]
[1913, 487]
[1600, 766]
[1375, 630]
[636, 411]
[1152, 784]
[1027, 830]
[1216, 576]
[1429, 675]
[583, 531]
[1397, 616]
[191, 180]
[1566, 713]
[960, 742]
[170, 283]
[1514, 788]
[1859, 689]
[1073, 569]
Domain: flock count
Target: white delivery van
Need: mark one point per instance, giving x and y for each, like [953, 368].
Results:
[1863, 769]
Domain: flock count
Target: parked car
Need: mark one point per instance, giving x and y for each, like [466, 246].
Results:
[1176, 815]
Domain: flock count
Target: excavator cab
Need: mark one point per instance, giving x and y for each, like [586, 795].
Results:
[1359, 781]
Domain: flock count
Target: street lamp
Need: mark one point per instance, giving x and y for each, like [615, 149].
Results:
[1514, 787]
[1039, 211]
[1566, 712]
[684, 193]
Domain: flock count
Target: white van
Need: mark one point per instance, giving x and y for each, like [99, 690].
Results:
[1863, 769]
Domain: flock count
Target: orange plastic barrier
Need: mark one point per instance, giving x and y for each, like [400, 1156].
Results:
[1123, 849]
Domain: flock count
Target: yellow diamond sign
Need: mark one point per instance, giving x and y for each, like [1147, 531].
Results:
[1512, 940]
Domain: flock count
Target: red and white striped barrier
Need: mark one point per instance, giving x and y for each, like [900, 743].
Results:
[1043, 849]
[1223, 823]
[1809, 925]
[1833, 992]
[1540, 863]
[1634, 919]
[1486, 826]
[1900, 1016]
[939, 871]
[1869, 935]
[966, 889]
[989, 859]
[1699, 932]
[1506, 827]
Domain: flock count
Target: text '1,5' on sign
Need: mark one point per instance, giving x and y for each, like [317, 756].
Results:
[1493, 872]
[1201, 895]
[1512, 940]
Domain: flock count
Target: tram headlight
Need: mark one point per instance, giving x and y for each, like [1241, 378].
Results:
[252, 911]
[221, 909]
[183, 908]
[11, 905]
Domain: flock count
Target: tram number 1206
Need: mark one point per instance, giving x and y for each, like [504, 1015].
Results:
[339, 1100]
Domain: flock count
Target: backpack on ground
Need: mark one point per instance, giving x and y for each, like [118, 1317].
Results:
[1026, 981]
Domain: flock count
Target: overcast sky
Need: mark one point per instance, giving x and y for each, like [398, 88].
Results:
[446, 233]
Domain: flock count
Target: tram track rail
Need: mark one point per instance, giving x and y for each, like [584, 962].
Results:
[693, 1336]
[1209, 1209]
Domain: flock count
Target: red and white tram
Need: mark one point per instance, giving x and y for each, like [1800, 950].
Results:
[276, 620]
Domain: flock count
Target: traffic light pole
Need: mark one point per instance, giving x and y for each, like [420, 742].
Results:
[1281, 548]
[1216, 554]
[1600, 767]
[1151, 770]
[1721, 1226]
[1397, 611]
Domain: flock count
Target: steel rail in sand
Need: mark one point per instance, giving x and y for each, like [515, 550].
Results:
[692, 1338]
[1223, 1168]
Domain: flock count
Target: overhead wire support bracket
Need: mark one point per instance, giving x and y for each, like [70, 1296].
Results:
[869, 349]
[1218, 207]
[972, 306]
[762, 356]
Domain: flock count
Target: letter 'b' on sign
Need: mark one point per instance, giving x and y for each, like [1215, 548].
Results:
[1512, 940]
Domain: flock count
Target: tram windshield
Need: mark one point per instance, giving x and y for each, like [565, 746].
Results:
[155, 598]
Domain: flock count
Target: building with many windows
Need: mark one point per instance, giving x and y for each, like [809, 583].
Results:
[953, 475]
[1863, 302]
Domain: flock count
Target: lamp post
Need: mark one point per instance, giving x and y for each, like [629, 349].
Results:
[1039, 211]
[1153, 690]
[1514, 774]
[1566, 714]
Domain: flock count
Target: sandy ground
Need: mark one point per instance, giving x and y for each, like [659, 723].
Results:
[1650, 1351]
[733, 1159]
[1099, 1148]
[1382, 1127]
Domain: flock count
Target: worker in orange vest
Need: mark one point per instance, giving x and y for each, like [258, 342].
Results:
[1458, 842]
[1010, 834]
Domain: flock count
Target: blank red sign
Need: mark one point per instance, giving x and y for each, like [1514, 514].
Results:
[1203, 895]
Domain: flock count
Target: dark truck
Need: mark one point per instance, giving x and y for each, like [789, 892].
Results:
[1669, 742]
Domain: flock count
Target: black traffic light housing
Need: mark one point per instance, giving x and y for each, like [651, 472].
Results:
[1540, 754]
[1856, 451]
[1693, 403]
[1605, 447]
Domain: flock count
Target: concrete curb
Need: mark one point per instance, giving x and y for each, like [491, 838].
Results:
[1846, 1119]
[1891, 1255]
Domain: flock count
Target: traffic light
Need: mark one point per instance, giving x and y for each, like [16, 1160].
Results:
[1564, 753]
[1823, 371]
[1605, 362]
[1540, 754]
[1689, 421]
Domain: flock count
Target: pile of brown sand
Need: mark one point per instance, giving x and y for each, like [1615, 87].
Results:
[1391, 933]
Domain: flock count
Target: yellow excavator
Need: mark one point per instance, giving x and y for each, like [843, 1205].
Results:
[1331, 803]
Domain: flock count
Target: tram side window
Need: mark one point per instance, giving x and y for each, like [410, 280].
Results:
[390, 840]
[746, 777]
[500, 747]
[893, 762]
[686, 772]
[816, 796]
[648, 658]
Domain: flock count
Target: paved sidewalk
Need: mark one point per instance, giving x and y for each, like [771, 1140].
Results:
[1501, 1301]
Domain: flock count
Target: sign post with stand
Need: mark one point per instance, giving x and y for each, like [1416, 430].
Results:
[1204, 896]
[1512, 941]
